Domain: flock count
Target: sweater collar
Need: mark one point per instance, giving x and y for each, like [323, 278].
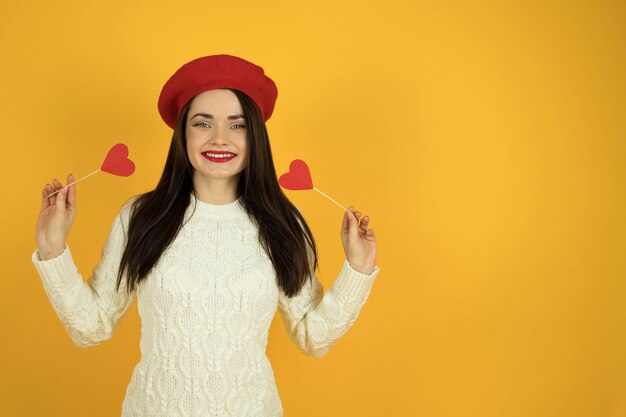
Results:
[229, 210]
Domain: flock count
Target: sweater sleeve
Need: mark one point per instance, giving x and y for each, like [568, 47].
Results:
[89, 311]
[316, 320]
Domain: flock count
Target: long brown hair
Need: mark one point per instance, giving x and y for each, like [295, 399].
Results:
[157, 216]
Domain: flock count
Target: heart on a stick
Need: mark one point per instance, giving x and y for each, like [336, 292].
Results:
[298, 177]
[117, 162]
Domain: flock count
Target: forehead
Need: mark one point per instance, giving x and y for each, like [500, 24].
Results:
[216, 101]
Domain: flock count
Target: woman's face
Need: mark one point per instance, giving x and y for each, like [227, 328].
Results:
[215, 123]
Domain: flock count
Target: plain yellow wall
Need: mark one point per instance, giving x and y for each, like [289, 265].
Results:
[485, 139]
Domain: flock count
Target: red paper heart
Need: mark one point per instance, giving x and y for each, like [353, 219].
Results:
[298, 177]
[117, 162]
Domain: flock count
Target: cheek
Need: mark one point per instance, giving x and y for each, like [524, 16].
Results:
[243, 144]
[244, 154]
[192, 152]
[194, 141]
[190, 137]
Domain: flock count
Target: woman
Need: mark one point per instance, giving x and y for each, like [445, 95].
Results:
[210, 253]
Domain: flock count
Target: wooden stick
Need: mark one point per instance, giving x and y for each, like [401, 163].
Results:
[80, 179]
[331, 199]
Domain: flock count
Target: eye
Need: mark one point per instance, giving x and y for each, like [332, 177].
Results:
[202, 124]
[242, 126]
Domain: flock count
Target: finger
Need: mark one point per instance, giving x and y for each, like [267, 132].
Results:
[364, 223]
[345, 224]
[347, 217]
[44, 199]
[45, 202]
[56, 185]
[71, 194]
[353, 226]
[356, 213]
[61, 198]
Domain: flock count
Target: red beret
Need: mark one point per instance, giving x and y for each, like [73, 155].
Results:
[211, 72]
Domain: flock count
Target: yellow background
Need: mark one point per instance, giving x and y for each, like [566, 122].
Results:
[484, 138]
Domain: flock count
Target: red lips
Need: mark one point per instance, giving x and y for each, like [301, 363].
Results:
[219, 152]
[219, 159]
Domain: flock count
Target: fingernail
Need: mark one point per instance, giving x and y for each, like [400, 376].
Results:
[64, 190]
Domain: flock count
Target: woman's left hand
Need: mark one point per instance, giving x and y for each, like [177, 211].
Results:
[359, 242]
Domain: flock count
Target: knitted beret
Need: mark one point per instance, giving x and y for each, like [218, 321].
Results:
[212, 72]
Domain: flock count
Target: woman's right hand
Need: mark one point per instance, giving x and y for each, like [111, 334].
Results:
[55, 218]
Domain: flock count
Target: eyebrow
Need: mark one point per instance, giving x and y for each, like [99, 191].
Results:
[210, 116]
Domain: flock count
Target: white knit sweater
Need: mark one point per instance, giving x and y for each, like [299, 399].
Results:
[205, 310]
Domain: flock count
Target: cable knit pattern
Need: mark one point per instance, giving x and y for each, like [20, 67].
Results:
[205, 310]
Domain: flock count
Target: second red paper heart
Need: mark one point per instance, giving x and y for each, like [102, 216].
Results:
[117, 162]
[298, 177]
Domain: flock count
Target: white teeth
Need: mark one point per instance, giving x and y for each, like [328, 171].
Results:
[214, 155]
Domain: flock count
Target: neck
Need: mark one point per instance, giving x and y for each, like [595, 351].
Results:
[216, 191]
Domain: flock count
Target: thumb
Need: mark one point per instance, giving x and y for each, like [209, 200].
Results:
[353, 225]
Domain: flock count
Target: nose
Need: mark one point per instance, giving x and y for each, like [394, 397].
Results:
[220, 136]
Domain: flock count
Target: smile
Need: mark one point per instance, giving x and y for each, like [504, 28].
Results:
[213, 157]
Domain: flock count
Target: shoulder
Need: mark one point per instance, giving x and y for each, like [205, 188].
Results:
[125, 212]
